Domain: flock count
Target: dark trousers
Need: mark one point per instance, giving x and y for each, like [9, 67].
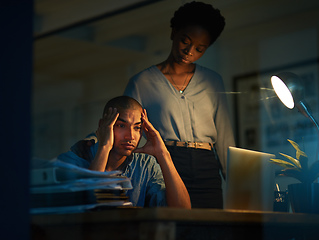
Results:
[199, 170]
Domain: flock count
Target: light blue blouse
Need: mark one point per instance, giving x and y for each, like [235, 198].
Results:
[199, 114]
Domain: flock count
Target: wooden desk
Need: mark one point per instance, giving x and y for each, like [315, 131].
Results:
[168, 223]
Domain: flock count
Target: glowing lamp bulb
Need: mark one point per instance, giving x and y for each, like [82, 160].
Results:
[282, 92]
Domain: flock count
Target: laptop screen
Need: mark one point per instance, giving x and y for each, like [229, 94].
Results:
[250, 180]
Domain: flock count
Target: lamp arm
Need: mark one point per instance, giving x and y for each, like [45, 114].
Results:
[305, 110]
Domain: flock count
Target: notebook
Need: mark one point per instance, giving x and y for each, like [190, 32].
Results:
[250, 180]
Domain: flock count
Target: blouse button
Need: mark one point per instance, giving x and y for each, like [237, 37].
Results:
[182, 97]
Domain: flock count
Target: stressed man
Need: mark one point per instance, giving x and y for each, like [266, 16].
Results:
[153, 175]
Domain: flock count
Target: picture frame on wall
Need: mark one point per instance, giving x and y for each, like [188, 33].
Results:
[247, 108]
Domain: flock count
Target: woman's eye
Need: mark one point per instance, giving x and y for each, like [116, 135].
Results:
[199, 50]
[184, 41]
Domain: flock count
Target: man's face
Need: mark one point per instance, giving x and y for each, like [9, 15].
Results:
[127, 132]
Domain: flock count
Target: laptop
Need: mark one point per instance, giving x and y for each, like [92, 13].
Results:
[250, 180]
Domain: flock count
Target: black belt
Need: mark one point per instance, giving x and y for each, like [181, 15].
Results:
[199, 145]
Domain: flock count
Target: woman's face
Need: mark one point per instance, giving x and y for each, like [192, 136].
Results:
[189, 44]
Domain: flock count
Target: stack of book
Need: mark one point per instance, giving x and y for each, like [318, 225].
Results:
[58, 187]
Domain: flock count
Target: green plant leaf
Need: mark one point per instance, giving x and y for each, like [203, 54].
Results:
[298, 151]
[297, 168]
[282, 163]
[293, 160]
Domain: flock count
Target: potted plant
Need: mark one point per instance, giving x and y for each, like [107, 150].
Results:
[303, 196]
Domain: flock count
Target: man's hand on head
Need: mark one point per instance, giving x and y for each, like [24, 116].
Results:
[154, 144]
[104, 135]
[176, 192]
[104, 132]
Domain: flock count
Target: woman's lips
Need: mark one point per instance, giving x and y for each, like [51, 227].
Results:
[184, 59]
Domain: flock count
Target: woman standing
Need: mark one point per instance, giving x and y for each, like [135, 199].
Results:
[187, 104]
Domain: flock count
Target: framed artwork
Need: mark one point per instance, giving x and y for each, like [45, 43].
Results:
[247, 108]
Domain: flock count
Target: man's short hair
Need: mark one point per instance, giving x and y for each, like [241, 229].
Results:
[122, 103]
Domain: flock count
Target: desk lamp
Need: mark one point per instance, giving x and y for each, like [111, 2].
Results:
[290, 91]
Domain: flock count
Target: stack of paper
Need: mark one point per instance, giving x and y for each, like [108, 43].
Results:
[58, 187]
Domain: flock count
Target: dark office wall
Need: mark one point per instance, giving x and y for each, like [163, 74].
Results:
[15, 98]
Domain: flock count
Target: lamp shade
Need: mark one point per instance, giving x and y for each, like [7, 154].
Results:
[288, 88]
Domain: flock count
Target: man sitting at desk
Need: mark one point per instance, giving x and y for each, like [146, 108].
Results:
[155, 183]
